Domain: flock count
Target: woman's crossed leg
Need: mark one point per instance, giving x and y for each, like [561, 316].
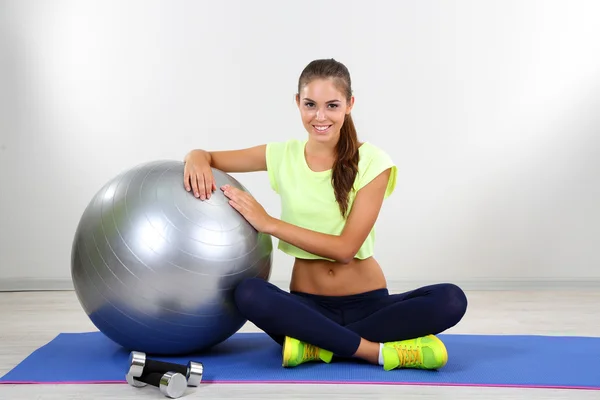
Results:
[390, 330]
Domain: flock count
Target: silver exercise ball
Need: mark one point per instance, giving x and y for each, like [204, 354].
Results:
[154, 267]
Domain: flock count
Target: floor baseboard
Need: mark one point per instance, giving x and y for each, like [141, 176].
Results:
[47, 284]
[34, 284]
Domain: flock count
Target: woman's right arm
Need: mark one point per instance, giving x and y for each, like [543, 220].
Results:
[198, 175]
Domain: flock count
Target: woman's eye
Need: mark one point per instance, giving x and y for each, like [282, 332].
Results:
[310, 105]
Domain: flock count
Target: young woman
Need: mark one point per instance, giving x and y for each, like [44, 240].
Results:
[332, 187]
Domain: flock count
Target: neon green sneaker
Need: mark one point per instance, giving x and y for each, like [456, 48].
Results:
[296, 352]
[427, 352]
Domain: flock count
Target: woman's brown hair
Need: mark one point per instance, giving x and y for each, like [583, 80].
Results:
[345, 166]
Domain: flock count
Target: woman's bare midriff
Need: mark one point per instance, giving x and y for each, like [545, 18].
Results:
[327, 278]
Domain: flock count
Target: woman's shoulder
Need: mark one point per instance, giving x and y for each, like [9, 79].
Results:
[286, 151]
[369, 151]
[373, 160]
[286, 145]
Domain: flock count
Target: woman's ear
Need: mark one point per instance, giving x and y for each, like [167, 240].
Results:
[297, 99]
[350, 105]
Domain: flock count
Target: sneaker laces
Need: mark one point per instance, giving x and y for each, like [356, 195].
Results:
[310, 352]
[409, 355]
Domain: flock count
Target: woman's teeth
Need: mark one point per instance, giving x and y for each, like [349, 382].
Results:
[322, 128]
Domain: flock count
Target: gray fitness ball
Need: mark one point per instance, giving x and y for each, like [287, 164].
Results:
[155, 268]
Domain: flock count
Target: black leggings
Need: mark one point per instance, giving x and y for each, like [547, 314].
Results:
[337, 323]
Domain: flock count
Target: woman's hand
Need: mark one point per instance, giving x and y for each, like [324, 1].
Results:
[250, 209]
[197, 174]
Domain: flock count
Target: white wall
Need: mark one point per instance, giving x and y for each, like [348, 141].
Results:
[490, 109]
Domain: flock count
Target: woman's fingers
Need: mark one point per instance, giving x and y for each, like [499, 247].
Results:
[239, 196]
[186, 180]
[194, 183]
[201, 187]
[207, 186]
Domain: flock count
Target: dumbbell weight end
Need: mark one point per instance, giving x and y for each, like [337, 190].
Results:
[171, 384]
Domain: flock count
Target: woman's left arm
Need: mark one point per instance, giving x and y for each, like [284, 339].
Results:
[341, 248]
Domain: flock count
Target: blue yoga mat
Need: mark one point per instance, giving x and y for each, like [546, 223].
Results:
[474, 360]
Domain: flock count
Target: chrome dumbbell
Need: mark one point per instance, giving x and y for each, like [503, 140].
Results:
[140, 365]
[171, 384]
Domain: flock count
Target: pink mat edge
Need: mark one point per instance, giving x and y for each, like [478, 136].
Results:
[320, 382]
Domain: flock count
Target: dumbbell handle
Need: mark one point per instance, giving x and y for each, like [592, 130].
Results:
[152, 378]
[162, 367]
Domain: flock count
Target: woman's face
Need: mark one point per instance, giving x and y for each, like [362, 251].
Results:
[323, 109]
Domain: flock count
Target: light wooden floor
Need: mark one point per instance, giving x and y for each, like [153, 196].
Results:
[31, 319]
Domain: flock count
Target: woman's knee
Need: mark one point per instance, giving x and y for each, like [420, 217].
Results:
[250, 296]
[249, 287]
[454, 303]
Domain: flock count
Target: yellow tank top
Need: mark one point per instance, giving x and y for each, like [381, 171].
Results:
[308, 198]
